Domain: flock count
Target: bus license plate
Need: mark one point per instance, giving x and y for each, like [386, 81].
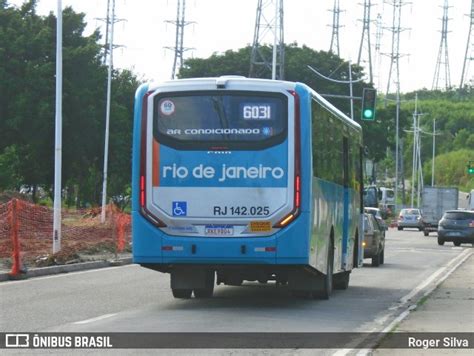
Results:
[219, 230]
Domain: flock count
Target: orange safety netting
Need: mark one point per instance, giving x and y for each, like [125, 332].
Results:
[26, 233]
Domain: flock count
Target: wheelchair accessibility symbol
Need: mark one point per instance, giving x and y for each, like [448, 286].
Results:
[180, 208]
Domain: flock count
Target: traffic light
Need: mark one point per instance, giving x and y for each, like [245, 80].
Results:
[368, 104]
[470, 167]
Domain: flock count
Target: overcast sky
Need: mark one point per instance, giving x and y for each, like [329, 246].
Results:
[229, 24]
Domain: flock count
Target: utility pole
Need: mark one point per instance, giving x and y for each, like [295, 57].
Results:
[179, 48]
[366, 38]
[415, 139]
[335, 28]
[268, 27]
[469, 53]
[434, 150]
[443, 59]
[417, 172]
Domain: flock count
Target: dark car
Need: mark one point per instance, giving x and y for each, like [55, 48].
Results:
[456, 226]
[374, 240]
[377, 213]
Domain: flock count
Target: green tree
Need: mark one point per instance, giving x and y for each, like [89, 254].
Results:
[27, 96]
[451, 170]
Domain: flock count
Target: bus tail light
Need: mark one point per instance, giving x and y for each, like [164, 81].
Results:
[297, 187]
[142, 188]
[142, 192]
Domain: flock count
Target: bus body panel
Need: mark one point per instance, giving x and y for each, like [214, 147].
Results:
[333, 206]
[304, 242]
[137, 126]
[289, 248]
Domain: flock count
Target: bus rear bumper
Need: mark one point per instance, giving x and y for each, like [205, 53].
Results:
[290, 245]
[146, 261]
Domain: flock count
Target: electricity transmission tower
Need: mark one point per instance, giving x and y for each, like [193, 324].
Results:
[366, 36]
[378, 40]
[335, 28]
[111, 20]
[268, 27]
[395, 55]
[469, 54]
[443, 59]
[179, 48]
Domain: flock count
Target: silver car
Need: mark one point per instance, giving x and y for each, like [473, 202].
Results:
[410, 218]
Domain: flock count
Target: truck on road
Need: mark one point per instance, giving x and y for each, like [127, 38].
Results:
[470, 197]
[435, 201]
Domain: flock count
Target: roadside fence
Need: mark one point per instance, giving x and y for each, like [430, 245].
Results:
[26, 235]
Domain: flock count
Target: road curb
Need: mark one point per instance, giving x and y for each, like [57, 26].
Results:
[83, 266]
[412, 305]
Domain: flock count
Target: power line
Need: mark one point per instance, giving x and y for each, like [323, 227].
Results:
[268, 27]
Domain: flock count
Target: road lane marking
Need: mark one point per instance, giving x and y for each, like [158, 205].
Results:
[450, 267]
[64, 274]
[87, 321]
[431, 278]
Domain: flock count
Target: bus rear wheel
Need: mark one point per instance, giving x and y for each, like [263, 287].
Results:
[341, 280]
[208, 289]
[182, 293]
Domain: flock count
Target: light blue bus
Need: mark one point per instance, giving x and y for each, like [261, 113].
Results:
[238, 179]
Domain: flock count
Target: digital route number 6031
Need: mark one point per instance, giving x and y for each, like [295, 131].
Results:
[257, 112]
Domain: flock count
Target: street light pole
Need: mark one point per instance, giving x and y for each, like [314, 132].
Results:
[58, 131]
[397, 148]
[433, 160]
[350, 90]
[107, 115]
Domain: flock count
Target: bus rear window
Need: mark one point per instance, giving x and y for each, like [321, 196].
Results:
[230, 120]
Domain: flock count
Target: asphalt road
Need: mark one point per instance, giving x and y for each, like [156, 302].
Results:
[131, 298]
[140, 299]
